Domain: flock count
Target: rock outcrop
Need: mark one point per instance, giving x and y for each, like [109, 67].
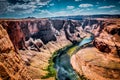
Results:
[102, 61]
[11, 65]
[109, 40]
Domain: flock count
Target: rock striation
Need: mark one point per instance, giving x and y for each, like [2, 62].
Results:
[11, 65]
[109, 40]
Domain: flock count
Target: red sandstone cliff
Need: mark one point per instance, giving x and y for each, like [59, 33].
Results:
[11, 65]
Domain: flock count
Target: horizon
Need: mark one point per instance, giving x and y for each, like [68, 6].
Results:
[87, 15]
[56, 8]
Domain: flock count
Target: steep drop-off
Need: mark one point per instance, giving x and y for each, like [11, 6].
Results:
[11, 65]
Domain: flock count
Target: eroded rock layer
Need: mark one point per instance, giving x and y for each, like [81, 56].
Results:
[109, 39]
[11, 65]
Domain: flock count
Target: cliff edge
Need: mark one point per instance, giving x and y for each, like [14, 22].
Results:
[11, 65]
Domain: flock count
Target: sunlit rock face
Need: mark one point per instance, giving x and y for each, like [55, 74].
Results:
[11, 65]
[109, 40]
[102, 61]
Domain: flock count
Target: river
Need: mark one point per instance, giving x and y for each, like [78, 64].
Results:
[62, 61]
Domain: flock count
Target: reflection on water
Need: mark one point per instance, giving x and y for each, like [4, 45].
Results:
[86, 40]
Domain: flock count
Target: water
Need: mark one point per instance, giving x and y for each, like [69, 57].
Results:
[64, 68]
[62, 63]
[86, 40]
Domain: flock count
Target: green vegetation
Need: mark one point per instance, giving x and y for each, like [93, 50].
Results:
[51, 70]
[71, 50]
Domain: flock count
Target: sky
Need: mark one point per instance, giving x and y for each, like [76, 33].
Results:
[53, 8]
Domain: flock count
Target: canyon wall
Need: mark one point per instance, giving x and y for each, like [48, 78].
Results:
[21, 31]
[33, 41]
[11, 65]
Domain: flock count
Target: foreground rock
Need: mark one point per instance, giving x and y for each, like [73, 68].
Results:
[101, 62]
[11, 65]
[94, 65]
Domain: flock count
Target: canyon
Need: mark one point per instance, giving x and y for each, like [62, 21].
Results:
[26, 46]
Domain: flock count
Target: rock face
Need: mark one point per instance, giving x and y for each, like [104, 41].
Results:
[109, 40]
[23, 31]
[94, 65]
[15, 33]
[11, 65]
[102, 61]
